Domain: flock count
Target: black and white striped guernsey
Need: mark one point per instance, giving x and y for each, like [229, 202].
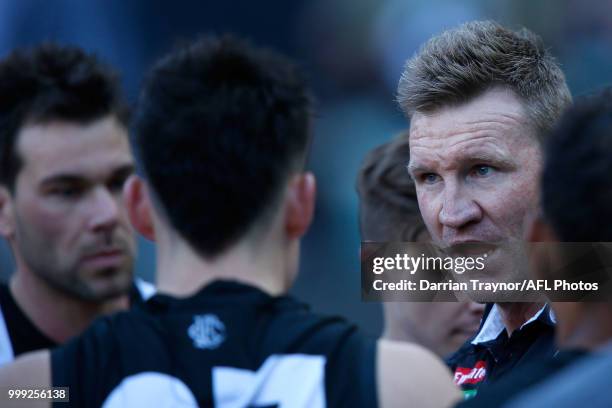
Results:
[19, 335]
[229, 345]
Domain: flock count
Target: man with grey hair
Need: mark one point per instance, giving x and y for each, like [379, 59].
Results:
[480, 99]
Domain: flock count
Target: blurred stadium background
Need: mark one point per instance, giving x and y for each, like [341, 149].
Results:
[352, 51]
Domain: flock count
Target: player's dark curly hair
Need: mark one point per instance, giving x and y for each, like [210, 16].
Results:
[219, 127]
[52, 82]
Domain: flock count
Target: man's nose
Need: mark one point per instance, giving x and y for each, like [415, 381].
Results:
[458, 208]
[105, 210]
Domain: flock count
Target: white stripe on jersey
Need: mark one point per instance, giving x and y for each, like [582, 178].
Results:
[291, 380]
[151, 389]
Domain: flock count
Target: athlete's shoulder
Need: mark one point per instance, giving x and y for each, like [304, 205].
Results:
[430, 385]
[295, 322]
[347, 355]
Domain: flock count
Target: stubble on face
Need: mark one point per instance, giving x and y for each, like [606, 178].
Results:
[69, 210]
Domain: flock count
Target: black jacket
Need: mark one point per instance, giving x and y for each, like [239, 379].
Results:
[491, 354]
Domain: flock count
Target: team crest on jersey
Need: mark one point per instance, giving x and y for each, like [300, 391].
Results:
[206, 331]
[467, 375]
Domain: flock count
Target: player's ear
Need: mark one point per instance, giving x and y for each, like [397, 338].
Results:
[7, 219]
[300, 204]
[138, 204]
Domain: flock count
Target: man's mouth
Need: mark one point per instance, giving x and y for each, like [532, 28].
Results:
[106, 258]
[470, 248]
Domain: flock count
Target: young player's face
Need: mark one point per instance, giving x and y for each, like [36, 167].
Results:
[440, 326]
[476, 167]
[71, 227]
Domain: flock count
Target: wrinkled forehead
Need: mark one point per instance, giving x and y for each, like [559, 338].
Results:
[492, 124]
[72, 148]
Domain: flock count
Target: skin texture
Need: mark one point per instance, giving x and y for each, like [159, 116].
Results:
[65, 220]
[476, 167]
[442, 327]
[266, 257]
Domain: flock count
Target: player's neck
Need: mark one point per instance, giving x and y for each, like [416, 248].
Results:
[56, 314]
[181, 272]
[514, 315]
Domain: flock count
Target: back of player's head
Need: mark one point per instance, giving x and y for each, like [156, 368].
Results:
[459, 64]
[51, 82]
[220, 127]
[577, 176]
[388, 207]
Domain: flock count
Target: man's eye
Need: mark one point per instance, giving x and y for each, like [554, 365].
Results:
[429, 178]
[67, 192]
[483, 170]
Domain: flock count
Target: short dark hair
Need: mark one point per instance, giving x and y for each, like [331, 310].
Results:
[461, 63]
[388, 207]
[219, 128]
[576, 180]
[51, 82]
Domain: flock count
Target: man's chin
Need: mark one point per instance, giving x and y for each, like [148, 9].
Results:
[106, 284]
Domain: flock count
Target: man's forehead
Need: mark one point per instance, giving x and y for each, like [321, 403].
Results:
[491, 125]
[498, 108]
[68, 147]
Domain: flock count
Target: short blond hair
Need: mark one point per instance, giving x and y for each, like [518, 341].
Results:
[463, 62]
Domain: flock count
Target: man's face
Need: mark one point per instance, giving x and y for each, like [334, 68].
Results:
[476, 167]
[70, 225]
[440, 326]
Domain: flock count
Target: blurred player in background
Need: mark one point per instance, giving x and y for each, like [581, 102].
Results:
[222, 131]
[389, 212]
[481, 99]
[64, 157]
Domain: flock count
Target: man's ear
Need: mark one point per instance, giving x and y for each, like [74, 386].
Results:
[300, 204]
[7, 216]
[138, 204]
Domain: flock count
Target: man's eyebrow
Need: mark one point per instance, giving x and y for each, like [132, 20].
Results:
[63, 178]
[414, 168]
[487, 157]
[472, 158]
[69, 178]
